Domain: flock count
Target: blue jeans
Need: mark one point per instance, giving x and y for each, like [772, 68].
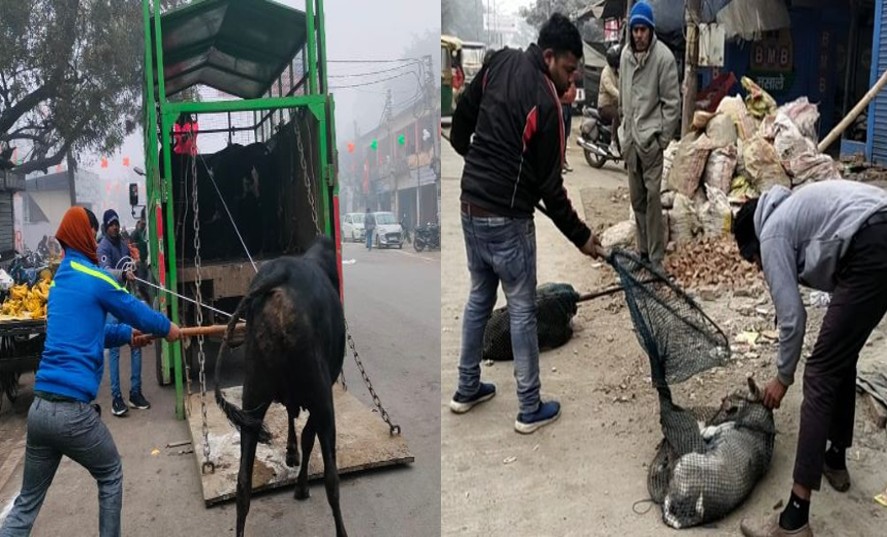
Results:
[75, 431]
[370, 238]
[135, 376]
[501, 250]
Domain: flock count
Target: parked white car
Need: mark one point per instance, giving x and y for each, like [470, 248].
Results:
[388, 232]
[352, 228]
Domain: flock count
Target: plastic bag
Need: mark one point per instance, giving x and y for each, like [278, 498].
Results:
[789, 142]
[715, 213]
[689, 163]
[701, 119]
[721, 130]
[767, 129]
[720, 167]
[741, 190]
[621, 235]
[804, 115]
[683, 220]
[762, 165]
[667, 162]
[736, 110]
[6, 281]
[813, 167]
[758, 102]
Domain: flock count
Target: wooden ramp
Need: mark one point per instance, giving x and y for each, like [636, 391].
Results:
[362, 442]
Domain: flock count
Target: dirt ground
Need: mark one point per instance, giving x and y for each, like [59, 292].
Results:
[585, 474]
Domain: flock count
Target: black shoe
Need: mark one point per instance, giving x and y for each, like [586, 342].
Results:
[137, 400]
[118, 407]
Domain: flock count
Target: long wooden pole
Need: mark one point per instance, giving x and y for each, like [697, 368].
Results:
[211, 330]
[851, 116]
[691, 59]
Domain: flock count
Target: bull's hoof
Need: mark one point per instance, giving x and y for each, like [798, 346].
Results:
[292, 458]
[302, 493]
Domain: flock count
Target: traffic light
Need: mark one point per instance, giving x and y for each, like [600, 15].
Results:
[374, 145]
[402, 140]
[351, 147]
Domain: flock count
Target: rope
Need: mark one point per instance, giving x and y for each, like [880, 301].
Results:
[231, 218]
[650, 503]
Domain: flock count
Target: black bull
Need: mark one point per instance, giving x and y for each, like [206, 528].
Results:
[295, 346]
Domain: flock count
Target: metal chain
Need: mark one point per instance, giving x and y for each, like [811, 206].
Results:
[208, 466]
[393, 429]
[311, 197]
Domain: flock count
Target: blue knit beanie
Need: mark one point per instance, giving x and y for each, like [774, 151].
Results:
[641, 13]
[109, 217]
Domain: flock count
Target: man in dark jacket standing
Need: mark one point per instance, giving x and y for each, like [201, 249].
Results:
[111, 253]
[650, 111]
[512, 108]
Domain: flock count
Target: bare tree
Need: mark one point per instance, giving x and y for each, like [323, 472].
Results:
[70, 77]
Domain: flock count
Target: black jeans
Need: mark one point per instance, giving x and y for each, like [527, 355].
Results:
[858, 304]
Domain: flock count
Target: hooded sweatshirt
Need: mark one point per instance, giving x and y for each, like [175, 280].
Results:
[803, 237]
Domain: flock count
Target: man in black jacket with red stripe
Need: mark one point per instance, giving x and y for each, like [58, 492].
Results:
[512, 108]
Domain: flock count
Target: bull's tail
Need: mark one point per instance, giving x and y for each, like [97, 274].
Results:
[239, 417]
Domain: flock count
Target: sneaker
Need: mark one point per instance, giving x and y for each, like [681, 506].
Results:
[529, 423]
[137, 400]
[461, 404]
[567, 167]
[118, 407]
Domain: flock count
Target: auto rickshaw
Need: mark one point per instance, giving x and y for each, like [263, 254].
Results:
[452, 77]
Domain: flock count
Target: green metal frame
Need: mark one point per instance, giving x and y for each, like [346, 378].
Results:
[159, 188]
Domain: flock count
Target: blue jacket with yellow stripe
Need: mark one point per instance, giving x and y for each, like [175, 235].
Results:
[80, 297]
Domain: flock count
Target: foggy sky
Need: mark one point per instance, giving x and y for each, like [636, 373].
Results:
[355, 29]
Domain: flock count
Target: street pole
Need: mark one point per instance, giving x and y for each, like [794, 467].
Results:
[435, 153]
[691, 59]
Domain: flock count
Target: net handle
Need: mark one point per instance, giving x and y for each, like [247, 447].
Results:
[609, 291]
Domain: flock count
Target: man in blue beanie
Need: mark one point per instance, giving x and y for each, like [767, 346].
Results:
[113, 253]
[650, 112]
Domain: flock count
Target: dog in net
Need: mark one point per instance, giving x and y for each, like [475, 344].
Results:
[710, 459]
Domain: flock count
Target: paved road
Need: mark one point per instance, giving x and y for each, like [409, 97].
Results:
[393, 308]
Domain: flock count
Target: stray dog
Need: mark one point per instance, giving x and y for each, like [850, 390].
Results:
[295, 346]
[738, 445]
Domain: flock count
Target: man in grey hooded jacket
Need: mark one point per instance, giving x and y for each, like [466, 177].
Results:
[650, 111]
[830, 236]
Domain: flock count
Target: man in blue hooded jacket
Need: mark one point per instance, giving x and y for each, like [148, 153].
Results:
[113, 252]
[61, 422]
[830, 236]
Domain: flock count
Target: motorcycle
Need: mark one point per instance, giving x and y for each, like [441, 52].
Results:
[595, 138]
[427, 236]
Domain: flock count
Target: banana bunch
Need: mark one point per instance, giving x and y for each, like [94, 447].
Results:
[28, 303]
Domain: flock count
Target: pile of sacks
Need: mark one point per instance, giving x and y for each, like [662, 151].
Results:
[730, 156]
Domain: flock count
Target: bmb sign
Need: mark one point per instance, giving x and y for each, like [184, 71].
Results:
[773, 54]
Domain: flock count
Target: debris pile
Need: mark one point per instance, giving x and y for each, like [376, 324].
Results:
[728, 157]
[712, 262]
